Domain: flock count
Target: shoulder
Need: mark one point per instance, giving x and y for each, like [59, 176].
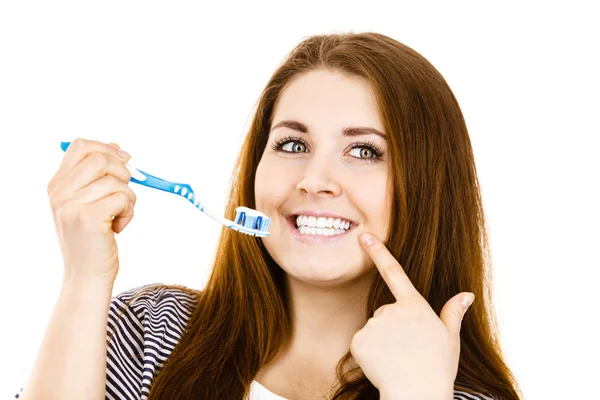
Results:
[143, 298]
[144, 325]
[153, 300]
[146, 305]
[460, 395]
[144, 309]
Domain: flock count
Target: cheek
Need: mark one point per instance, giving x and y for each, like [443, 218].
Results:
[259, 186]
[269, 185]
[372, 198]
[370, 192]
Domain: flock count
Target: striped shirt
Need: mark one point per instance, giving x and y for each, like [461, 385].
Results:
[145, 333]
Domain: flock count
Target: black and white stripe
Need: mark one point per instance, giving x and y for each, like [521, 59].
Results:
[145, 333]
[143, 338]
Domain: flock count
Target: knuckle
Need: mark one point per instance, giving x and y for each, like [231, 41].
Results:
[127, 174]
[114, 183]
[54, 198]
[123, 173]
[50, 187]
[381, 310]
[114, 150]
[78, 144]
[372, 322]
[123, 197]
[112, 180]
[99, 160]
[54, 203]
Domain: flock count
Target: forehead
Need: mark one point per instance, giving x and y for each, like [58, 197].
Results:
[329, 100]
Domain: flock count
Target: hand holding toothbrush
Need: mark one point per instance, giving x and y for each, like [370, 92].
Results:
[91, 201]
[247, 221]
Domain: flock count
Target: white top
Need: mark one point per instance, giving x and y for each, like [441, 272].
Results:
[259, 392]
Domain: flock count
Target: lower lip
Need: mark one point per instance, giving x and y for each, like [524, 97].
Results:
[316, 239]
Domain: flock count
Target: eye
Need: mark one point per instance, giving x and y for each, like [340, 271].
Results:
[366, 151]
[370, 151]
[296, 145]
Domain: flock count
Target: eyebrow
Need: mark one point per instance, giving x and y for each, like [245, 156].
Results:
[348, 131]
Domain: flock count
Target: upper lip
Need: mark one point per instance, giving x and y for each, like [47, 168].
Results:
[318, 214]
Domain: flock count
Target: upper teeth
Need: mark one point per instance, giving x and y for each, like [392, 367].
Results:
[322, 222]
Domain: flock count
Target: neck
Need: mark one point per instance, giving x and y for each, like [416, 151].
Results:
[324, 318]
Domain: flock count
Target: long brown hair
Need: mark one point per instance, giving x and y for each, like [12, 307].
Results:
[437, 233]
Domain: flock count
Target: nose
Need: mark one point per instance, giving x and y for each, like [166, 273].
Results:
[318, 178]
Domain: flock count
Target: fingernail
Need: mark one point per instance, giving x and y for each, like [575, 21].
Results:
[367, 239]
[124, 154]
[467, 301]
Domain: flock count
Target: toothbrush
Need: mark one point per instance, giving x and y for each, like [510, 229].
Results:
[247, 220]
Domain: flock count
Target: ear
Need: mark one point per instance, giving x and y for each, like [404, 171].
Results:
[453, 311]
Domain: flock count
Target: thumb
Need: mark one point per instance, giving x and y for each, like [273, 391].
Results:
[453, 311]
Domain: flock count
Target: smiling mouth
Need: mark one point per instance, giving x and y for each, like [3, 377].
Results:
[303, 231]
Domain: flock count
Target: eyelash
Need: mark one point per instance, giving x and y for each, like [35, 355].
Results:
[377, 152]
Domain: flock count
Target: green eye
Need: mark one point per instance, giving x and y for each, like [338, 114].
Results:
[370, 151]
[365, 151]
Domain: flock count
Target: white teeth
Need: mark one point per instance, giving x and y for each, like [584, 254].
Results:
[327, 224]
[322, 222]
[307, 230]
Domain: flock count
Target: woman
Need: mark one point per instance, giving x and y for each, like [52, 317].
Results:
[357, 131]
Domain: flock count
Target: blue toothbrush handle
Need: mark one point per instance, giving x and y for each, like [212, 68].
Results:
[143, 178]
[258, 225]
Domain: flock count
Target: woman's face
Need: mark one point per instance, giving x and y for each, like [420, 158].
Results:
[322, 170]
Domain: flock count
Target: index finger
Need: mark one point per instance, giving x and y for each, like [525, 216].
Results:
[80, 149]
[390, 269]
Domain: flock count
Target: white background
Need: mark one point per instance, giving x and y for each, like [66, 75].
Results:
[175, 84]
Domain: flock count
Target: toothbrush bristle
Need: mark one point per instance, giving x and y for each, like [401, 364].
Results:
[252, 219]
